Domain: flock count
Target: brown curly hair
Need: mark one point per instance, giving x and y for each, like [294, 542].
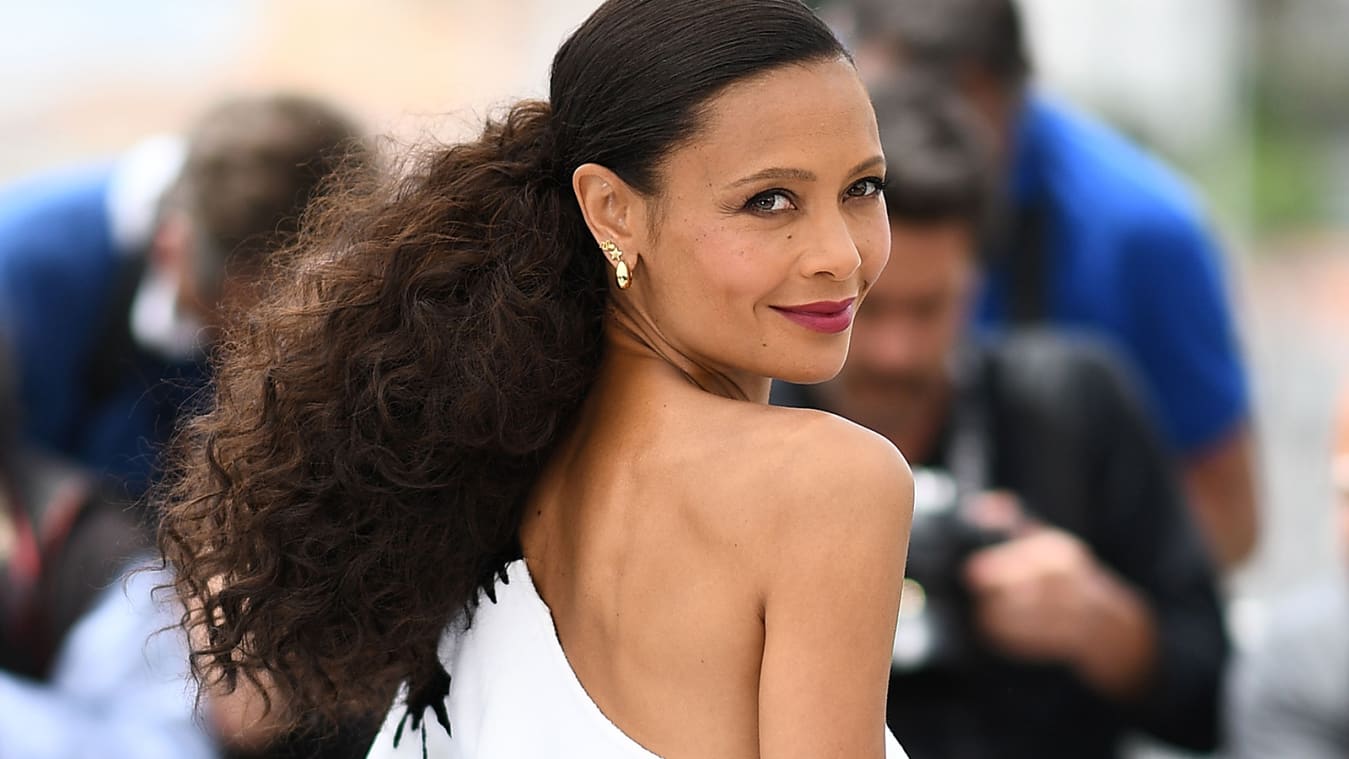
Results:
[378, 422]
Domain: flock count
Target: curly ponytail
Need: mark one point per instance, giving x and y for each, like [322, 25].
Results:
[379, 420]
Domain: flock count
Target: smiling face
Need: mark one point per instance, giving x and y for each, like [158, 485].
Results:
[768, 227]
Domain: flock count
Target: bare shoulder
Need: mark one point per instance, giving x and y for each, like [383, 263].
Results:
[816, 454]
[812, 477]
[834, 509]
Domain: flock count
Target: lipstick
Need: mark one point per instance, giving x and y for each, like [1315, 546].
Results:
[829, 317]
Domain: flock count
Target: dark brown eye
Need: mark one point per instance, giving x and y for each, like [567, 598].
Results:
[771, 201]
[865, 188]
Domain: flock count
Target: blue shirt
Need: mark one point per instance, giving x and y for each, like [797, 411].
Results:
[120, 688]
[59, 268]
[1128, 258]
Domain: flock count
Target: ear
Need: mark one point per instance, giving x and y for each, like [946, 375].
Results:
[613, 210]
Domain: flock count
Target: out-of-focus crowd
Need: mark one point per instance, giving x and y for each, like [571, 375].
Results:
[115, 281]
[1052, 347]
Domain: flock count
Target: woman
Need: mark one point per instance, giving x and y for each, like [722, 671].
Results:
[556, 343]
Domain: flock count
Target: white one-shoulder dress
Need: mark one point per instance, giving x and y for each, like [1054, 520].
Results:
[513, 695]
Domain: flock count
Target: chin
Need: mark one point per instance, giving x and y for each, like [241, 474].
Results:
[821, 369]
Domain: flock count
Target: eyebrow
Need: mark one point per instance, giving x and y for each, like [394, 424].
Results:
[800, 174]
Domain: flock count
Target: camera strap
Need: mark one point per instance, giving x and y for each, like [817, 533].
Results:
[1028, 296]
[1025, 252]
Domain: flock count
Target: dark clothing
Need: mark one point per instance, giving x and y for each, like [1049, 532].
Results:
[349, 741]
[75, 542]
[1064, 431]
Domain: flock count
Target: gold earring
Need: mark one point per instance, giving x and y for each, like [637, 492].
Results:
[621, 274]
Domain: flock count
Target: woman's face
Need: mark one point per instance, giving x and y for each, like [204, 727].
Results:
[769, 227]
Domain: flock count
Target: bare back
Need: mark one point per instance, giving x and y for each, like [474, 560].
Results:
[652, 538]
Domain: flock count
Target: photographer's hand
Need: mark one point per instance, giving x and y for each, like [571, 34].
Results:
[1043, 596]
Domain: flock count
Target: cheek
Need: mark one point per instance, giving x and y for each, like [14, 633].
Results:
[732, 270]
[872, 238]
[708, 284]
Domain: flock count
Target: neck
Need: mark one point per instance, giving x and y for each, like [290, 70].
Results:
[634, 342]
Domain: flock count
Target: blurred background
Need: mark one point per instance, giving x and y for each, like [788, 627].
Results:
[1249, 98]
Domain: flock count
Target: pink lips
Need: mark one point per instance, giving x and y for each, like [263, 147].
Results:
[829, 317]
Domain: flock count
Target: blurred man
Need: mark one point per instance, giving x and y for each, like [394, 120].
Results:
[1092, 233]
[1290, 696]
[112, 277]
[114, 280]
[1060, 592]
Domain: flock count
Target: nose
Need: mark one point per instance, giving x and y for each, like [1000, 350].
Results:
[834, 253]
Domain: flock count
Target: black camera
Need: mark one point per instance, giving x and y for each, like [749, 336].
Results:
[935, 629]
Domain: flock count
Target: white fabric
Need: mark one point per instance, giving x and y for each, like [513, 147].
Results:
[158, 325]
[513, 693]
[136, 191]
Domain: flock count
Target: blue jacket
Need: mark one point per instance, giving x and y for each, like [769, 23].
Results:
[1129, 259]
[60, 271]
